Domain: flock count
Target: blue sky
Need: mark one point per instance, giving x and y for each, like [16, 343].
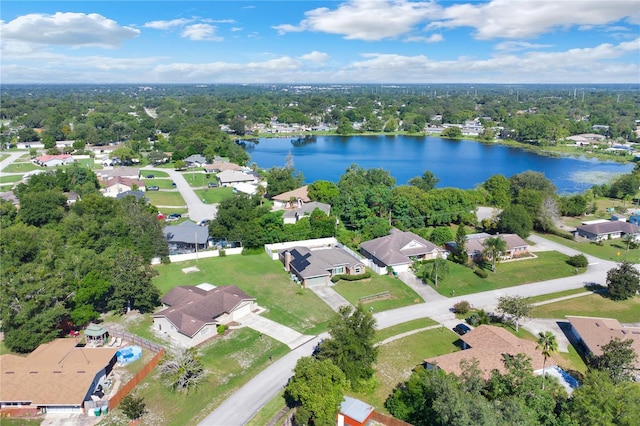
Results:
[343, 41]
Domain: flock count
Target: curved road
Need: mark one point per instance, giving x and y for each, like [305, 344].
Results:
[248, 400]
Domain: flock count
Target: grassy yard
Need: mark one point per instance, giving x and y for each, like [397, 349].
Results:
[269, 411]
[10, 178]
[214, 195]
[593, 305]
[198, 178]
[615, 250]
[21, 167]
[156, 173]
[230, 362]
[161, 183]
[403, 328]
[258, 276]
[400, 293]
[165, 198]
[551, 296]
[547, 266]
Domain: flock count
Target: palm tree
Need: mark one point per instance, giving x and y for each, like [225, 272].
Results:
[628, 239]
[548, 345]
[494, 246]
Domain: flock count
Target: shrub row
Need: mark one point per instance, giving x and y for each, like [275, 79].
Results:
[345, 277]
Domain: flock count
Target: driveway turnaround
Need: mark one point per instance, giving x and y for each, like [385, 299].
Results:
[330, 297]
[286, 335]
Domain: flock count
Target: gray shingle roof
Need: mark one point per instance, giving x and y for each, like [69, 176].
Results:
[610, 227]
[317, 263]
[187, 232]
[191, 307]
[307, 209]
[398, 247]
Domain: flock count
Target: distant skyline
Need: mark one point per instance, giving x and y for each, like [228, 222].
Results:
[306, 41]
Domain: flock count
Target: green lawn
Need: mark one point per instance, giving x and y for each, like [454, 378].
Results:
[547, 266]
[165, 198]
[161, 183]
[615, 250]
[214, 195]
[269, 411]
[594, 305]
[401, 294]
[230, 361]
[551, 296]
[156, 173]
[403, 328]
[260, 277]
[198, 178]
[21, 167]
[10, 178]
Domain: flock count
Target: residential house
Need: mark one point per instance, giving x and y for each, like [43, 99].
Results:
[233, 177]
[10, 197]
[119, 185]
[489, 345]
[246, 188]
[592, 333]
[634, 218]
[516, 246]
[72, 197]
[354, 412]
[192, 313]
[607, 230]
[294, 215]
[220, 166]
[291, 199]
[54, 160]
[125, 172]
[195, 160]
[316, 267]
[57, 377]
[399, 250]
[139, 195]
[186, 237]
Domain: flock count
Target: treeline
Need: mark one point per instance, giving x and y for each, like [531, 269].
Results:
[63, 265]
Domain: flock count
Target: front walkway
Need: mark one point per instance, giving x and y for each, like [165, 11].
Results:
[330, 297]
[277, 331]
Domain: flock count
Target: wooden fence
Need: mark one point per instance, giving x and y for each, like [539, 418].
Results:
[388, 420]
[139, 377]
[136, 340]
[371, 298]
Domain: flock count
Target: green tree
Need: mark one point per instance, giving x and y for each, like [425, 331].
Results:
[426, 182]
[516, 307]
[548, 345]
[498, 188]
[624, 281]
[131, 283]
[460, 254]
[317, 386]
[453, 132]
[441, 235]
[323, 191]
[180, 165]
[618, 360]
[344, 126]
[351, 346]
[495, 247]
[283, 179]
[182, 371]
[133, 407]
[515, 219]
[42, 207]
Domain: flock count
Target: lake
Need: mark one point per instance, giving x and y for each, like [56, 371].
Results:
[462, 164]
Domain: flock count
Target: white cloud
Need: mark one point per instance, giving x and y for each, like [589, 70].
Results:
[513, 46]
[315, 56]
[365, 19]
[200, 32]
[167, 25]
[68, 29]
[433, 38]
[530, 18]
[236, 29]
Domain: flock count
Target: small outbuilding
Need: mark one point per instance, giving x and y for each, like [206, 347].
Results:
[96, 335]
[354, 412]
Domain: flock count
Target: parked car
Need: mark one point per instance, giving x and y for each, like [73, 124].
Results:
[212, 185]
[173, 184]
[461, 329]
[173, 217]
[204, 222]
[152, 188]
[150, 176]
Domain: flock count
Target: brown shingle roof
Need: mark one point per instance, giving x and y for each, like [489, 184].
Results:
[397, 247]
[488, 345]
[190, 307]
[299, 193]
[56, 373]
[610, 227]
[597, 332]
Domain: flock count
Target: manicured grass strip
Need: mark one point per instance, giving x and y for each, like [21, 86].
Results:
[165, 198]
[10, 178]
[269, 411]
[615, 250]
[594, 305]
[214, 195]
[396, 360]
[161, 183]
[548, 265]
[403, 328]
[22, 168]
[258, 276]
[552, 296]
[198, 178]
[400, 293]
[155, 173]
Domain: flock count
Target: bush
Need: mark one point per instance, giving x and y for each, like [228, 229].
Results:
[345, 277]
[578, 261]
[221, 328]
[480, 272]
[133, 407]
[462, 307]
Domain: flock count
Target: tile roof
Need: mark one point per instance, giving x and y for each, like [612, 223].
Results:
[45, 158]
[597, 332]
[488, 344]
[56, 373]
[398, 247]
[192, 307]
[301, 193]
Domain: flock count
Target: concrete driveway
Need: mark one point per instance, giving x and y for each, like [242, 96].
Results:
[330, 297]
[277, 331]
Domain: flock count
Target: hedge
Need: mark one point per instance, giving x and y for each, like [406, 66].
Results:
[345, 277]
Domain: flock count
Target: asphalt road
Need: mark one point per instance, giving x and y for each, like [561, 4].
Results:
[248, 400]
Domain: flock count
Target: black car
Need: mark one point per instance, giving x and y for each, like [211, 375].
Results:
[461, 329]
[152, 188]
[150, 176]
[213, 185]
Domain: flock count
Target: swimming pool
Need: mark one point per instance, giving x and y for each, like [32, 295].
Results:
[128, 354]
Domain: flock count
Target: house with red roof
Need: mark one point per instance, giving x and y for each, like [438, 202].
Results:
[54, 160]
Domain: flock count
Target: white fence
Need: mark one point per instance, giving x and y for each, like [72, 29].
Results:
[273, 249]
[199, 255]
